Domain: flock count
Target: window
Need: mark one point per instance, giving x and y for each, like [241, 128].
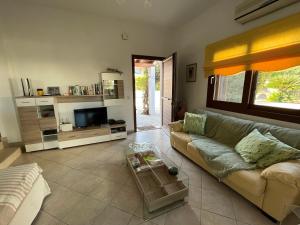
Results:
[230, 88]
[279, 89]
[268, 94]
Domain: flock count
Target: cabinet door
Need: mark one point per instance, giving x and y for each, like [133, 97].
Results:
[30, 128]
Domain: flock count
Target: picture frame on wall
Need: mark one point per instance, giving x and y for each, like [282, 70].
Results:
[191, 72]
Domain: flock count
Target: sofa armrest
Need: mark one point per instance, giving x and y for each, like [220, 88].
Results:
[285, 172]
[176, 126]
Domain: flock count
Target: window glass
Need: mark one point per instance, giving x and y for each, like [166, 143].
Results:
[229, 88]
[279, 88]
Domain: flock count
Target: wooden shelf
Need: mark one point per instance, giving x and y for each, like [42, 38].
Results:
[79, 98]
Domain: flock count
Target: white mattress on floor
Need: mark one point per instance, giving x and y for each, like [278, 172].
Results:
[32, 203]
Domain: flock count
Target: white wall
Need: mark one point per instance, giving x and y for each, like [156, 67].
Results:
[55, 47]
[215, 24]
[8, 119]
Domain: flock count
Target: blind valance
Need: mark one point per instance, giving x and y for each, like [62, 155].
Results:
[271, 47]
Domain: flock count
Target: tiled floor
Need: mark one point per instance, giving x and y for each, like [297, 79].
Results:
[91, 185]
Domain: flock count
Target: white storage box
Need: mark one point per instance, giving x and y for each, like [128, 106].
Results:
[66, 127]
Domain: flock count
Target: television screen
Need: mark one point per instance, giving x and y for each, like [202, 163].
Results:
[90, 117]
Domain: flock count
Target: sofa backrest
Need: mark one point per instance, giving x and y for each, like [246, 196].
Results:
[286, 135]
[230, 130]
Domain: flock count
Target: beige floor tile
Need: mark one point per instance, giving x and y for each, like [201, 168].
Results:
[27, 158]
[112, 216]
[61, 201]
[44, 218]
[105, 190]
[241, 223]
[217, 202]
[247, 213]
[86, 184]
[126, 201]
[136, 220]
[183, 215]
[56, 155]
[208, 218]
[160, 220]
[71, 177]
[85, 212]
[195, 196]
[195, 178]
[54, 171]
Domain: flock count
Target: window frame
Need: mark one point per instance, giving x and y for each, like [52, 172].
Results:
[247, 105]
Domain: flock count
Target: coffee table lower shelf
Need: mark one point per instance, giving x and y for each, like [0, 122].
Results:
[161, 191]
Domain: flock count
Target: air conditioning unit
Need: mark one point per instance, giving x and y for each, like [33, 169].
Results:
[252, 9]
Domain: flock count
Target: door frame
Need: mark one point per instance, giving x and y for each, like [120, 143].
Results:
[133, 57]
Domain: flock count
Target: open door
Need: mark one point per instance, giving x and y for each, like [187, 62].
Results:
[168, 90]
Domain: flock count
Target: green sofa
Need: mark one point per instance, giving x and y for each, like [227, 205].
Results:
[272, 189]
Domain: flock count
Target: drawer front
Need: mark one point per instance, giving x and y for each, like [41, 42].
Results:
[34, 147]
[31, 137]
[65, 136]
[83, 141]
[45, 101]
[50, 144]
[47, 123]
[118, 136]
[24, 102]
[29, 126]
[28, 116]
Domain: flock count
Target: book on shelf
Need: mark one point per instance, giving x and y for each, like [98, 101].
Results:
[78, 90]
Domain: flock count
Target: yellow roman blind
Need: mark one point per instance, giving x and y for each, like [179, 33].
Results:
[275, 46]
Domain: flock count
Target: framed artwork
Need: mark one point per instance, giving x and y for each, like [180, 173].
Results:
[191, 72]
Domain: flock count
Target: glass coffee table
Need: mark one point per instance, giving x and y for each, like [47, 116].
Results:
[162, 183]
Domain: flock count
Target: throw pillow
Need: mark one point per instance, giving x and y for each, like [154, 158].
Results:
[281, 152]
[194, 123]
[254, 146]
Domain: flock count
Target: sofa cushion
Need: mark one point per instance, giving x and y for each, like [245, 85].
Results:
[194, 123]
[284, 172]
[231, 130]
[215, 148]
[254, 146]
[280, 152]
[179, 140]
[248, 181]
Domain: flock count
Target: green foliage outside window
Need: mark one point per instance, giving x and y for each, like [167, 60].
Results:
[279, 86]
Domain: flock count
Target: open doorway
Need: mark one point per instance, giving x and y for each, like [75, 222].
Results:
[147, 92]
[154, 83]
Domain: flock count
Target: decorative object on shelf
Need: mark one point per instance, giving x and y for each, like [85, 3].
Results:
[53, 91]
[191, 72]
[173, 170]
[93, 89]
[66, 127]
[27, 87]
[40, 92]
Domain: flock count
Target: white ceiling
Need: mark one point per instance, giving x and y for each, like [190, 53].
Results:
[170, 13]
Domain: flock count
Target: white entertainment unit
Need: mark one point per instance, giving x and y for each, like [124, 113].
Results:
[40, 118]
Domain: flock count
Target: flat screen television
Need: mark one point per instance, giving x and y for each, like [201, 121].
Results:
[90, 117]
